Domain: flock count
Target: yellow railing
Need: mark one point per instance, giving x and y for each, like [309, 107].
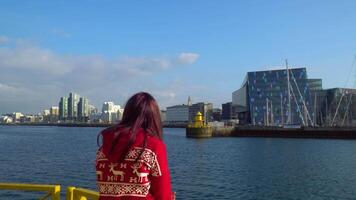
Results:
[74, 193]
[53, 191]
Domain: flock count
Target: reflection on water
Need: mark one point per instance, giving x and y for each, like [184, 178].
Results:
[215, 168]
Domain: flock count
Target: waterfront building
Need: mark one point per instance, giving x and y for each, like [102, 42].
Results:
[163, 115]
[28, 119]
[54, 110]
[276, 98]
[177, 115]
[92, 110]
[38, 118]
[316, 94]
[206, 109]
[16, 116]
[111, 113]
[83, 109]
[226, 112]
[46, 112]
[120, 113]
[73, 101]
[46, 115]
[95, 118]
[336, 107]
[63, 109]
[6, 119]
[217, 114]
[107, 106]
[54, 114]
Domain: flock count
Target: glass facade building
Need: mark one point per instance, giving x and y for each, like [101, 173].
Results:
[73, 101]
[267, 97]
[63, 108]
[336, 107]
[83, 109]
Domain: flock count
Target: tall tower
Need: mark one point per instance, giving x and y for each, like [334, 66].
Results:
[189, 101]
[83, 109]
[63, 108]
[73, 106]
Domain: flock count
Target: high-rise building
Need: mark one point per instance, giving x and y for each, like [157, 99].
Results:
[111, 113]
[92, 110]
[54, 114]
[73, 101]
[63, 109]
[83, 109]
[107, 106]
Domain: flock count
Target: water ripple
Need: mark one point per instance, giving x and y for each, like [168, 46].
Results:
[216, 168]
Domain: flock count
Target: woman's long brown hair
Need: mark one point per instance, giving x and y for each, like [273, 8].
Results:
[141, 112]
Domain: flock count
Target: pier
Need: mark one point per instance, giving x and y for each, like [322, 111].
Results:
[280, 132]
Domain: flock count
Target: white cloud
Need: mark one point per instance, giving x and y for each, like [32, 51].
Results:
[142, 65]
[33, 58]
[4, 87]
[187, 58]
[4, 39]
[8, 90]
[29, 57]
[35, 77]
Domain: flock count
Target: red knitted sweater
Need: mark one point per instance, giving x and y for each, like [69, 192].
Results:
[148, 178]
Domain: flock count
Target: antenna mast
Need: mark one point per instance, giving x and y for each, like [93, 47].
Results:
[289, 101]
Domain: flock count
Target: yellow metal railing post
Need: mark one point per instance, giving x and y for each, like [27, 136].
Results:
[56, 193]
[53, 190]
[74, 193]
[70, 193]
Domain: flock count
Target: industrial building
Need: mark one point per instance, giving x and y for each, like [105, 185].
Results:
[177, 115]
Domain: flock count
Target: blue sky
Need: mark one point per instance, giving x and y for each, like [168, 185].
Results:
[108, 50]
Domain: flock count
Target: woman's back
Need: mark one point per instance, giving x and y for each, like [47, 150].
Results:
[136, 173]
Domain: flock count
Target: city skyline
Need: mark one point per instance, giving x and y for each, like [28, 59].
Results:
[265, 98]
[99, 107]
[110, 51]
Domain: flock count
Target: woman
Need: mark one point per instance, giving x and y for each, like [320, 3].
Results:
[132, 163]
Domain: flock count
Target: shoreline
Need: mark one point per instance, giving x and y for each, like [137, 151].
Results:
[240, 131]
[279, 132]
[76, 125]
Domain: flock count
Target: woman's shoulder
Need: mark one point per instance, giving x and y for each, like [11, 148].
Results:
[110, 129]
[153, 142]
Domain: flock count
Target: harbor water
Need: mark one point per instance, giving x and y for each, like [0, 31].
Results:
[210, 168]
